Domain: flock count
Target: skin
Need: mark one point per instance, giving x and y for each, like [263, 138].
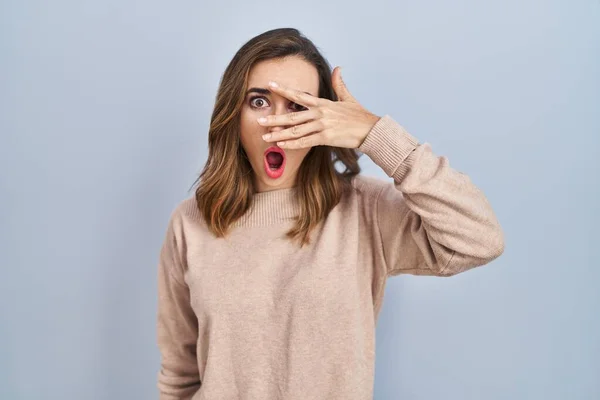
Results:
[292, 71]
[294, 119]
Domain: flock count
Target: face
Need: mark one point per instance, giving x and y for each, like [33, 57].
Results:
[274, 168]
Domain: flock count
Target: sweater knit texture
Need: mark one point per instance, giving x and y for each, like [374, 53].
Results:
[254, 316]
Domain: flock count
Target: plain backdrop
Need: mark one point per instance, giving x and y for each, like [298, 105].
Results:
[104, 110]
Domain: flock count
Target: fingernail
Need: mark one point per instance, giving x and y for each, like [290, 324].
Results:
[273, 84]
[267, 136]
[280, 144]
[262, 120]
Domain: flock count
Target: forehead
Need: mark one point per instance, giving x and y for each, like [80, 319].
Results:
[292, 72]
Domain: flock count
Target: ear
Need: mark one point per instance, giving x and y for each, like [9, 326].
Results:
[339, 86]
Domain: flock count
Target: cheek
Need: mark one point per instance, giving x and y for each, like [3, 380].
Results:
[250, 136]
[297, 157]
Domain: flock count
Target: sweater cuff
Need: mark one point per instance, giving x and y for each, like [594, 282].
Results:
[388, 144]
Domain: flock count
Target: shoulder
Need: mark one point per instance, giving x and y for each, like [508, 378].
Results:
[369, 186]
[185, 215]
[378, 195]
[187, 208]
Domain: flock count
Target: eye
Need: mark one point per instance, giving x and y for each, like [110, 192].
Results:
[298, 107]
[261, 102]
[257, 102]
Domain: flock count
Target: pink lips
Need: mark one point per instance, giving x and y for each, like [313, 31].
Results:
[274, 174]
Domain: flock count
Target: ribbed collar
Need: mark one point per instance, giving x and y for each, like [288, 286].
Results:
[271, 207]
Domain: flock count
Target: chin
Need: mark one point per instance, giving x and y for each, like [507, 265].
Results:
[267, 183]
[272, 184]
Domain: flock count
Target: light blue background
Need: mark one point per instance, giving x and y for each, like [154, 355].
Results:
[104, 109]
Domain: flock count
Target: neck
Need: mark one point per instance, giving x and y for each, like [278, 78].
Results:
[271, 207]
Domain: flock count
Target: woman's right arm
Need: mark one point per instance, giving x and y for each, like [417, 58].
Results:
[178, 378]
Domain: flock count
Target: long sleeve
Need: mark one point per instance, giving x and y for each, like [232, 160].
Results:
[178, 378]
[432, 220]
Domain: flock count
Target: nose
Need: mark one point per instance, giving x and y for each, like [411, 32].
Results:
[279, 110]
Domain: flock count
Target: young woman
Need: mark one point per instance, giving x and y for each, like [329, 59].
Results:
[272, 276]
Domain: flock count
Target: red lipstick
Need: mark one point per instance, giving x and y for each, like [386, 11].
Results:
[274, 162]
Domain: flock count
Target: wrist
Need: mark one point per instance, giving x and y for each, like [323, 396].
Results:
[370, 122]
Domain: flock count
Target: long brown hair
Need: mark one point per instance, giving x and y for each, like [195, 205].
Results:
[225, 185]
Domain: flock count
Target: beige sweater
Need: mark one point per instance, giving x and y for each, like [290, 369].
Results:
[253, 316]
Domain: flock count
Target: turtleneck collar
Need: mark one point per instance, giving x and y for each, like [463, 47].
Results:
[271, 207]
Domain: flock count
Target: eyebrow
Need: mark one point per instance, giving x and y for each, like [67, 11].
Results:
[264, 91]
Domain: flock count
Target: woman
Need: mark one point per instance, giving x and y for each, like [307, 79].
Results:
[272, 276]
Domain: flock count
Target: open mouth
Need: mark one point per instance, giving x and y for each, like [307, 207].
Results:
[274, 162]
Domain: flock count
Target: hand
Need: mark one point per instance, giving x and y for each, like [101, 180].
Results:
[343, 123]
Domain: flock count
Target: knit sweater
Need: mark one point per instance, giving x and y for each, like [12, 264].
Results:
[255, 316]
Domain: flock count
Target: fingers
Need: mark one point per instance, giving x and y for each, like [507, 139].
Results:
[304, 99]
[294, 132]
[316, 139]
[289, 118]
[340, 86]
